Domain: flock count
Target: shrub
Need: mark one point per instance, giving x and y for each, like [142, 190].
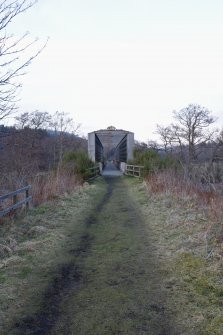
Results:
[77, 162]
[152, 161]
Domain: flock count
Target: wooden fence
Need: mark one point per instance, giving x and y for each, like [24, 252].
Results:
[16, 202]
[92, 173]
[134, 170]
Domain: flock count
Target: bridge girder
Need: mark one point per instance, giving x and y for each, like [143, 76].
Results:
[111, 144]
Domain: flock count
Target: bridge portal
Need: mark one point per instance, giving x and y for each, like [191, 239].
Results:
[110, 144]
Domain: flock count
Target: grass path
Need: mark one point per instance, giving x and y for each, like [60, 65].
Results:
[107, 280]
[105, 261]
[119, 289]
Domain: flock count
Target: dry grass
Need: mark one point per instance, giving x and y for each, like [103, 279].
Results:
[184, 227]
[34, 247]
[48, 186]
[209, 202]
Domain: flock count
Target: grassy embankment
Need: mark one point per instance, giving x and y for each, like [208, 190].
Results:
[34, 248]
[121, 260]
[187, 234]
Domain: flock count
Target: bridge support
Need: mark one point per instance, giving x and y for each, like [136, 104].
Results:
[110, 145]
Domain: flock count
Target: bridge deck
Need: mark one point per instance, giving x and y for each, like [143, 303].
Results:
[111, 170]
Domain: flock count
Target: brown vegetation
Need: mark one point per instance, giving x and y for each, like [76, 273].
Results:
[182, 189]
[50, 185]
[31, 154]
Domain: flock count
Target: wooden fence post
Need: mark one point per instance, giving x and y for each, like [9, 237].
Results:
[27, 195]
[14, 203]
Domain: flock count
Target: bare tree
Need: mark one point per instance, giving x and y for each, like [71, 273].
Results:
[62, 125]
[35, 120]
[153, 145]
[165, 134]
[192, 128]
[217, 145]
[39, 120]
[12, 50]
[176, 140]
[22, 120]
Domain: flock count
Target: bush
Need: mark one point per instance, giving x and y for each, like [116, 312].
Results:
[152, 161]
[78, 162]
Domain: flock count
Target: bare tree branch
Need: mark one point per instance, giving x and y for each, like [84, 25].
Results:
[192, 124]
[13, 61]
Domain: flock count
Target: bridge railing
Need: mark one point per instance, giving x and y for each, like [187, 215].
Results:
[134, 170]
[13, 198]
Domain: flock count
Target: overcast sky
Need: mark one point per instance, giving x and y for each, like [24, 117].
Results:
[126, 63]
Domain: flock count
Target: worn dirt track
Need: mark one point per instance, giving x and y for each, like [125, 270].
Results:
[111, 284]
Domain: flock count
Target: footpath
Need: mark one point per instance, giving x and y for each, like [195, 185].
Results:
[97, 263]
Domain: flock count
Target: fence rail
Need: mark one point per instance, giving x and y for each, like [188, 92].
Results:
[134, 170]
[16, 203]
[92, 172]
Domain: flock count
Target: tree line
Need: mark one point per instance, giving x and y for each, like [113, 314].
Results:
[36, 143]
[192, 136]
[190, 144]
